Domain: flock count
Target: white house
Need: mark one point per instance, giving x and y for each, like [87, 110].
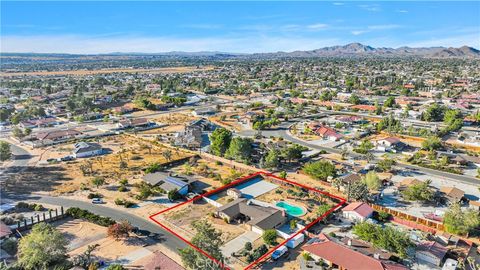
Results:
[357, 211]
[84, 149]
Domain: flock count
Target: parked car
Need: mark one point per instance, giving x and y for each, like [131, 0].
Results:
[97, 200]
[279, 252]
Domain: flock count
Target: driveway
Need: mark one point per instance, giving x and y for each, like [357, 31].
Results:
[238, 243]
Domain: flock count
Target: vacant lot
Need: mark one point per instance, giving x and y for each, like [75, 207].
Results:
[129, 156]
[167, 70]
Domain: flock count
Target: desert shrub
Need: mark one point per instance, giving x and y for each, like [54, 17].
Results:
[94, 195]
[10, 246]
[76, 212]
[122, 188]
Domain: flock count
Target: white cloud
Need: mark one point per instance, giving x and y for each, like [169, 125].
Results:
[338, 4]
[84, 44]
[317, 26]
[383, 27]
[402, 11]
[370, 7]
[358, 32]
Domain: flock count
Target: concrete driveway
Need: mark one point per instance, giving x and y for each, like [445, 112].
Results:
[238, 243]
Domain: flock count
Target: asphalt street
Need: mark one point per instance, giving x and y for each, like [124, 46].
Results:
[164, 237]
[282, 131]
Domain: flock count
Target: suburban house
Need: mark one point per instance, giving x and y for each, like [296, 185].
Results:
[85, 149]
[57, 135]
[451, 195]
[204, 111]
[348, 179]
[169, 182]
[258, 217]
[390, 144]
[190, 138]
[345, 257]
[357, 211]
[133, 123]
[328, 133]
[406, 182]
[38, 123]
[431, 252]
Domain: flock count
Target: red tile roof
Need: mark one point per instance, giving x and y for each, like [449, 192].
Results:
[4, 230]
[158, 260]
[345, 257]
[360, 208]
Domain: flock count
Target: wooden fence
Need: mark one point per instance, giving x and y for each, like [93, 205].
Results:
[411, 221]
[50, 216]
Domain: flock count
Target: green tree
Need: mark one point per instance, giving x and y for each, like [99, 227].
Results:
[419, 192]
[293, 152]
[44, 246]
[98, 181]
[270, 237]
[385, 165]
[320, 170]
[321, 210]
[387, 238]
[354, 99]
[272, 159]
[173, 195]
[434, 113]
[460, 222]
[240, 149]
[220, 141]
[432, 143]
[5, 152]
[390, 102]
[453, 119]
[207, 239]
[358, 191]
[372, 180]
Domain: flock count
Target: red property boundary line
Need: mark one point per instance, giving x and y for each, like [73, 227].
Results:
[236, 182]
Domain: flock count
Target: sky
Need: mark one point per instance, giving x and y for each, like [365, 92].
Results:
[237, 27]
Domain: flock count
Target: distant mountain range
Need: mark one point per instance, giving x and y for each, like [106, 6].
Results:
[358, 49]
[349, 50]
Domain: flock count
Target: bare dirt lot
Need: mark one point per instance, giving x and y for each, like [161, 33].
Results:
[67, 177]
[167, 70]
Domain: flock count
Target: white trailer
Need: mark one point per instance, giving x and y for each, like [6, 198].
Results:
[295, 241]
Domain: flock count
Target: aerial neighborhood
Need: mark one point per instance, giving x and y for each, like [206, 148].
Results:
[345, 157]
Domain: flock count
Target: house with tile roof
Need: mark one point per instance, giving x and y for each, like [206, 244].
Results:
[431, 252]
[337, 255]
[357, 211]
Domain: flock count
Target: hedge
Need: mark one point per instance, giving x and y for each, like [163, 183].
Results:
[76, 212]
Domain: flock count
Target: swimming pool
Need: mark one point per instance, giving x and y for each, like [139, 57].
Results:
[292, 210]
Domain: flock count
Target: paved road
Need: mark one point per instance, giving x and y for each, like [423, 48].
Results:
[166, 238]
[20, 160]
[282, 129]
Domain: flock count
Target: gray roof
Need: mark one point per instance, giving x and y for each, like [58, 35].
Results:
[166, 181]
[260, 216]
[83, 147]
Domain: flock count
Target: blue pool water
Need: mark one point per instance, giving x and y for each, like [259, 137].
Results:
[292, 210]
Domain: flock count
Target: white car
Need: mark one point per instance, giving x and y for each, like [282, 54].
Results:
[97, 200]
